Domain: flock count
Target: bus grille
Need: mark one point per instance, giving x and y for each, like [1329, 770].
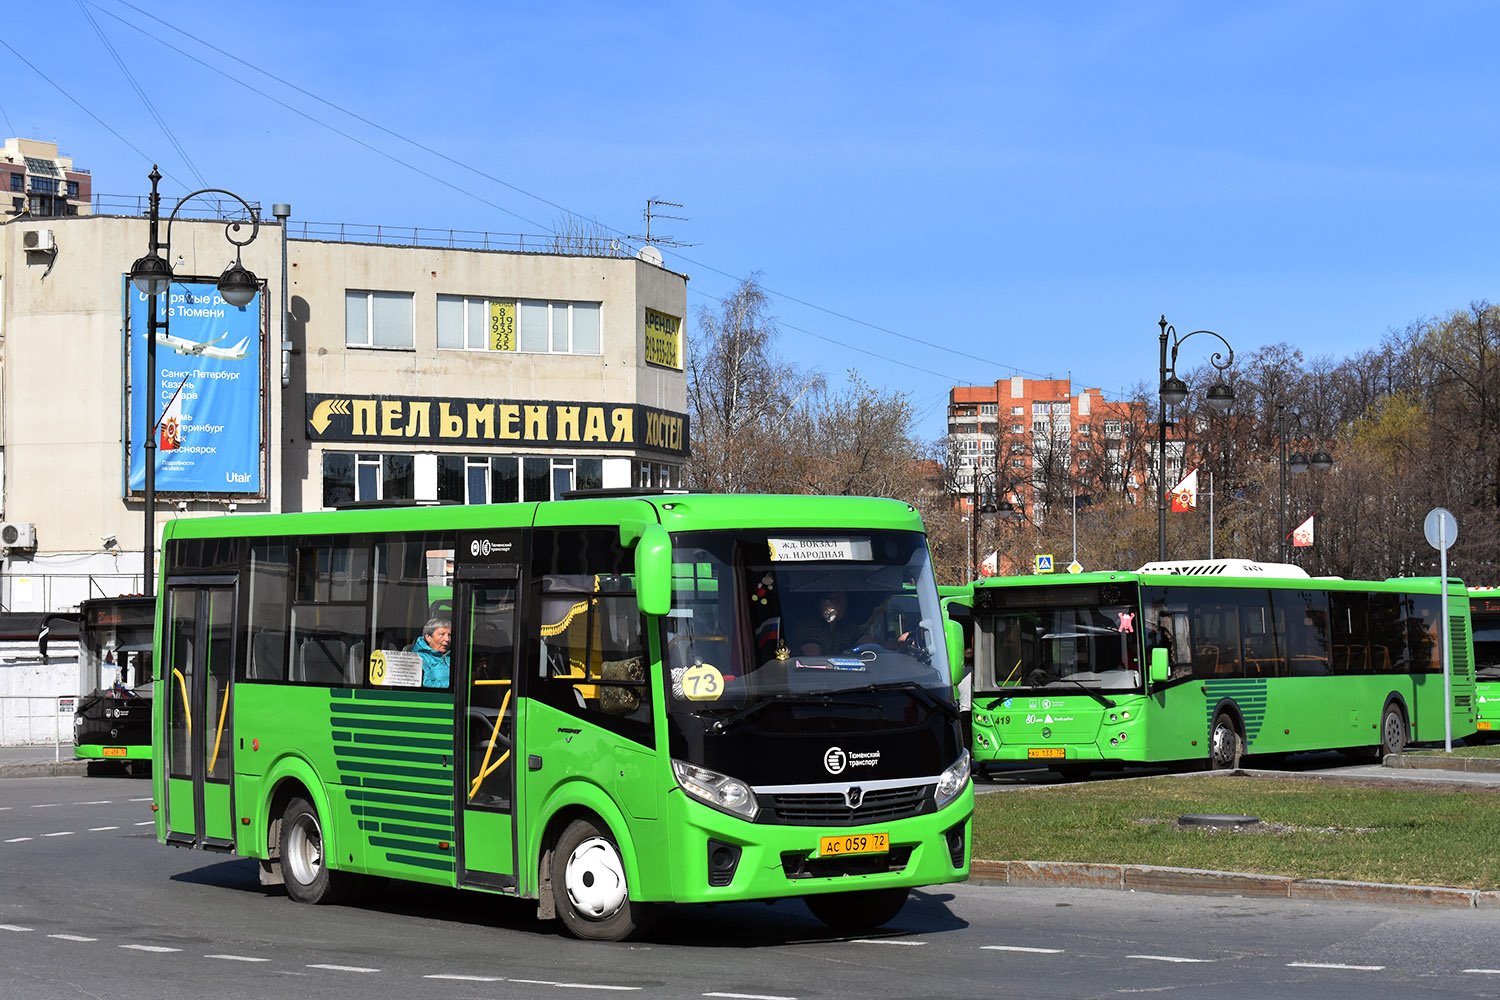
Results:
[830, 809]
[798, 864]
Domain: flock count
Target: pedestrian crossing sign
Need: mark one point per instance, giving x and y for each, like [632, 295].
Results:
[1044, 564]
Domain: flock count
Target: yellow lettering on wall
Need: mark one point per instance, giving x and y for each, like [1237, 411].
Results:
[510, 421]
[624, 426]
[450, 424]
[417, 420]
[593, 426]
[390, 418]
[536, 423]
[364, 417]
[481, 416]
[567, 423]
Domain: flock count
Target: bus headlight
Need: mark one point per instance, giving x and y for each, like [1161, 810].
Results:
[727, 794]
[952, 781]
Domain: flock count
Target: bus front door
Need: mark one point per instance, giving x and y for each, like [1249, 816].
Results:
[484, 661]
[195, 681]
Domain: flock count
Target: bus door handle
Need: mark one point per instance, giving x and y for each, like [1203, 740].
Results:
[533, 762]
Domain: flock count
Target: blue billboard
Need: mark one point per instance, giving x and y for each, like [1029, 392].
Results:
[208, 391]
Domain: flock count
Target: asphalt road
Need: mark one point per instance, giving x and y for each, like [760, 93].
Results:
[91, 906]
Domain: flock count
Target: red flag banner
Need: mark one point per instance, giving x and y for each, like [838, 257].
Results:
[1185, 493]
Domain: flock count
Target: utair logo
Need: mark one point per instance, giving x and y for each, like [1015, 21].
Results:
[835, 760]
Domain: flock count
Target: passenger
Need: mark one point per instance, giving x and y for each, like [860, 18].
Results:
[437, 634]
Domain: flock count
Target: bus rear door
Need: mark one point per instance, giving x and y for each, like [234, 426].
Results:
[197, 666]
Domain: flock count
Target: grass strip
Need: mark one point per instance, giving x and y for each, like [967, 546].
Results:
[1310, 828]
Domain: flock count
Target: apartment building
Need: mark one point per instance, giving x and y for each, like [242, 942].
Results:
[40, 182]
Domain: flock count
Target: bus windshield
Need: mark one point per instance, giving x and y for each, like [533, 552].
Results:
[789, 616]
[1090, 645]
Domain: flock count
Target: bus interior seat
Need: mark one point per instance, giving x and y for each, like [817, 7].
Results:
[268, 655]
[321, 660]
[355, 670]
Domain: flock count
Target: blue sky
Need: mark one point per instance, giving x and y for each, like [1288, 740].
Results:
[935, 194]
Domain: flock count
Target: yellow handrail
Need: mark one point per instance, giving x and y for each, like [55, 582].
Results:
[486, 768]
[187, 709]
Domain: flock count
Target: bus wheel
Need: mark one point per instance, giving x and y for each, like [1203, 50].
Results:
[590, 890]
[857, 910]
[1392, 730]
[1223, 743]
[308, 878]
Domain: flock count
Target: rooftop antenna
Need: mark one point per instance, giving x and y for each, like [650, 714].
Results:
[651, 213]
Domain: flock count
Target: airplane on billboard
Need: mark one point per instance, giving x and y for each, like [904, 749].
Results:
[205, 349]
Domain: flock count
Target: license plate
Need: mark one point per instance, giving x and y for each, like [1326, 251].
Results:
[114, 751]
[1484, 725]
[1036, 752]
[855, 843]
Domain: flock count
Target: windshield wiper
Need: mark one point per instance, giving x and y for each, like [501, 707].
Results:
[1101, 699]
[740, 715]
[922, 694]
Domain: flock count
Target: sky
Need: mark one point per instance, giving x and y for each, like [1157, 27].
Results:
[933, 194]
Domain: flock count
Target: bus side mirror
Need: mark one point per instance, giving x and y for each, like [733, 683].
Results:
[1160, 668]
[953, 632]
[653, 570]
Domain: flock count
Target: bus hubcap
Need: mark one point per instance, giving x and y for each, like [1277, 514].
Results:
[595, 879]
[305, 847]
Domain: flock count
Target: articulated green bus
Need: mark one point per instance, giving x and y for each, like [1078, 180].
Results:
[1484, 612]
[1207, 661]
[673, 698]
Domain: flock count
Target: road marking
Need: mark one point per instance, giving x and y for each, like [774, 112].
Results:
[913, 944]
[16, 928]
[46, 805]
[99, 829]
[1016, 947]
[343, 968]
[17, 840]
[96, 802]
[1485, 972]
[1334, 965]
[466, 979]
[749, 996]
[237, 958]
[155, 948]
[149, 822]
[1168, 958]
[146, 799]
[570, 986]
[61, 833]
[71, 937]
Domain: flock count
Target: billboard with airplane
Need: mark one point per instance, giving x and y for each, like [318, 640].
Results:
[208, 391]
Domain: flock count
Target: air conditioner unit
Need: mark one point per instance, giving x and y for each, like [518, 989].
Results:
[39, 239]
[18, 534]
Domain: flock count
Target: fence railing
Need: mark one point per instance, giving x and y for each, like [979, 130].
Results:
[37, 720]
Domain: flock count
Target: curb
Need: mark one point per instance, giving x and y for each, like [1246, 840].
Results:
[1150, 878]
[1444, 763]
[47, 769]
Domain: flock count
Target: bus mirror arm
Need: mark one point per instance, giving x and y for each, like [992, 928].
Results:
[653, 567]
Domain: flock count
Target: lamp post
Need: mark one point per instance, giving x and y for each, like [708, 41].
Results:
[1298, 463]
[987, 510]
[1172, 392]
[152, 276]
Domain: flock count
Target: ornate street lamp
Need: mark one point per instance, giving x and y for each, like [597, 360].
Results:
[152, 276]
[1298, 462]
[1173, 391]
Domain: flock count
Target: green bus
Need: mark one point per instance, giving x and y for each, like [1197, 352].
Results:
[112, 719]
[1210, 660]
[649, 701]
[1484, 612]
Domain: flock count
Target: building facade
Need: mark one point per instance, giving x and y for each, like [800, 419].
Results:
[37, 181]
[394, 373]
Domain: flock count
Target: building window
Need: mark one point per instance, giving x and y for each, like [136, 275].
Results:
[1041, 409]
[1018, 463]
[1112, 428]
[1016, 411]
[558, 327]
[989, 446]
[473, 479]
[656, 475]
[72, 189]
[1083, 429]
[378, 319]
[469, 324]
[988, 409]
[1017, 428]
[18, 182]
[44, 185]
[362, 477]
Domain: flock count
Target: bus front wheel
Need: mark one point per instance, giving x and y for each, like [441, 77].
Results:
[590, 889]
[858, 909]
[1224, 743]
[1392, 731]
[304, 866]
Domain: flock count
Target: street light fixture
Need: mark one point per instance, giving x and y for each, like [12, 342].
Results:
[1297, 463]
[986, 510]
[152, 276]
[1173, 391]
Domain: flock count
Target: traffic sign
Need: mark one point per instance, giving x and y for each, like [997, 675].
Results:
[1044, 564]
[1075, 566]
